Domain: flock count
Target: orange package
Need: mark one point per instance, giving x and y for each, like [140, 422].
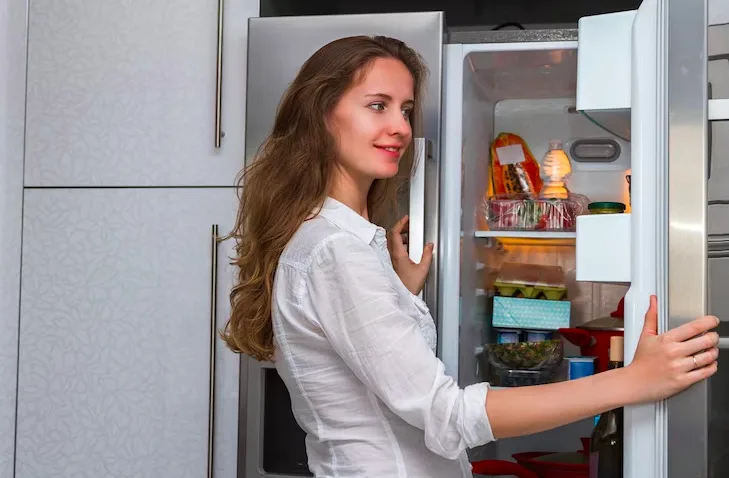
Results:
[514, 170]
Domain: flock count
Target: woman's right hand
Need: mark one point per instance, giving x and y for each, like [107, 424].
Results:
[668, 363]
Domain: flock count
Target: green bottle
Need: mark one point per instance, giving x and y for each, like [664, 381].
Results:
[606, 442]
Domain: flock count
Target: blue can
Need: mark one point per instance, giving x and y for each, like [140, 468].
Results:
[581, 367]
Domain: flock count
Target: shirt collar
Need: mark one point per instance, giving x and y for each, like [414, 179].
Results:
[345, 218]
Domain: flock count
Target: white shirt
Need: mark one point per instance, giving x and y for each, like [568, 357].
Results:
[356, 351]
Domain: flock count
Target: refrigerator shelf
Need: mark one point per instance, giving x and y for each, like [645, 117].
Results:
[527, 234]
[718, 110]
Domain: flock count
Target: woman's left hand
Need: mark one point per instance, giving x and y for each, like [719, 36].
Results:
[411, 274]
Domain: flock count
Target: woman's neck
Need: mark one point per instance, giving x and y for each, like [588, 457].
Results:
[351, 193]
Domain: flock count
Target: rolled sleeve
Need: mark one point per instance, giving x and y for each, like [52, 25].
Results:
[357, 309]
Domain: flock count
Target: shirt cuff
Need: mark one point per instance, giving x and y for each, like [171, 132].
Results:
[477, 428]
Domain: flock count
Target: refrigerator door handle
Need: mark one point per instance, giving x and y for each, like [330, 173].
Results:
[423, 216]
[416, 214]
[710, 134]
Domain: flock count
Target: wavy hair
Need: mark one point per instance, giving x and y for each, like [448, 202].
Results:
[289, 178]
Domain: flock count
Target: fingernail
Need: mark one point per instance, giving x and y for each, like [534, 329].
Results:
[717, 320]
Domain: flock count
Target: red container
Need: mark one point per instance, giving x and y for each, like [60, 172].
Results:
[529, 466]
[593, 338]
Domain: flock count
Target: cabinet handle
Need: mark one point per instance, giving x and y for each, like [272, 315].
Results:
[213, 336]
[219, 77]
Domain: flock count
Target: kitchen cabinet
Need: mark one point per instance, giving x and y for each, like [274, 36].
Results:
[124, 93]
[114, 352]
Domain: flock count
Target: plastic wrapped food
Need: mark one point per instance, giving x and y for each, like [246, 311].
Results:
[528, 214]
[514, 170]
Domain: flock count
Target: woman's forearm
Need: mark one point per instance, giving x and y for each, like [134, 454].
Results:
[525, 410]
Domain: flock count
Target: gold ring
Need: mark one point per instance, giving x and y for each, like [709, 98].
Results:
[696, 365]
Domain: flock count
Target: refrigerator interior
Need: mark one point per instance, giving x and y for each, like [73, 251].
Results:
[530, 93]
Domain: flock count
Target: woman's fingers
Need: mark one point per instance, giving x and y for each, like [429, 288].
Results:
[399, 225]
[395, 240]
[701, 359]
[692, 329]
[697, 344]
[701, 373]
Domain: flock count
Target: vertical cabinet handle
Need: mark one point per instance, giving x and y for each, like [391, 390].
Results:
[219, 77]
[213, 336]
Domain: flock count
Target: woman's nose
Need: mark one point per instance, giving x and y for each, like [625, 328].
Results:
[399, 124]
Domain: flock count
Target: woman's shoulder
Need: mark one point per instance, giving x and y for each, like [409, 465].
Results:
[315, 238]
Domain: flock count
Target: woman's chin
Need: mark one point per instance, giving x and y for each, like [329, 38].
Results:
[386, 171]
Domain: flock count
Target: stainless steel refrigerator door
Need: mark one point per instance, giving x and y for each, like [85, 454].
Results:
[277, 47]
[682, 59]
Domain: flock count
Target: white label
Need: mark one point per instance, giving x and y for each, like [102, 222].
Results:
[512, 154]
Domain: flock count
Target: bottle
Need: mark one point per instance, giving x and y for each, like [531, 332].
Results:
[606, 442]
[556, 169]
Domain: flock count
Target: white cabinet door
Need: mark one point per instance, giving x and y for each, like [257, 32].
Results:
[123, 93]
[115, 332]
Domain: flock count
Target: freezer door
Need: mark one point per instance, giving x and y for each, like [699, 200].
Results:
[682, 204]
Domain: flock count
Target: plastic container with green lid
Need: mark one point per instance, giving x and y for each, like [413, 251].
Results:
[606, 208]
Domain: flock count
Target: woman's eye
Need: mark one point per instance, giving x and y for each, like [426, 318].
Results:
[377, 106]
[406, 113]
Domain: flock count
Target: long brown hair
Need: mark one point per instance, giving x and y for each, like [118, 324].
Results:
[289, 178]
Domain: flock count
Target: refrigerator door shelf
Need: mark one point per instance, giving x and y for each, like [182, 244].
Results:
[719, 110]
[603, 248]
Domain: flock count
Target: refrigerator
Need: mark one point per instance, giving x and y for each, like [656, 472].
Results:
[628, 94]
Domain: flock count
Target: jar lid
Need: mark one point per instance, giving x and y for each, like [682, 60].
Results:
[606, 205]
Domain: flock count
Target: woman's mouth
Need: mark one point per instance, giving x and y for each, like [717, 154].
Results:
[391, 150]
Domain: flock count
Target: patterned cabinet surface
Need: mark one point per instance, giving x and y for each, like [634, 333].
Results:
[115, 330]
[122, 93]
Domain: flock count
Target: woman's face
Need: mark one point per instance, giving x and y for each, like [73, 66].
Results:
[372, 122]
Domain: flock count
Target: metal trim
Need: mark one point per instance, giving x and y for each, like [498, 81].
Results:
[686, 73]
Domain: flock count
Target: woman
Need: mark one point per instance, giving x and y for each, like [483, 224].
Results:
[320, 294]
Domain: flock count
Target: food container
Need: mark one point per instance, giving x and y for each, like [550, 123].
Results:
[518, 213]
[606, 208]
[501, 377]
[581, 367]
[530, 314]
[546, 355]
[530, 281]
[507, 336]
[537, 335]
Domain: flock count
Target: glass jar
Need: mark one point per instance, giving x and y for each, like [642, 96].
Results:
[606, 207]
